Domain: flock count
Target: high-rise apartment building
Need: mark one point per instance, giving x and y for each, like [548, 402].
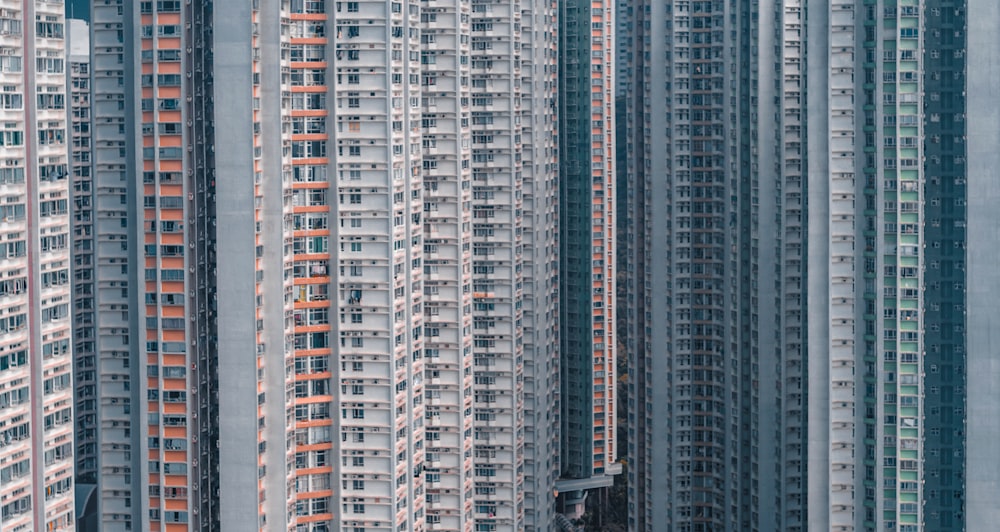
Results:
[782, 108]
[947, 272]
[875, 294]
[540, 238]
[328, 204]
[447, 262]
[36, 365]
[498, 262]
[81, 209]
[109, 452]
[866, 393]
[693, 247]
[378, 357]
[588, 455]
[181, 293]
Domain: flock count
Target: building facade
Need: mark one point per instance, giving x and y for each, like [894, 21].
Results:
[782, 266]
[115, 451]
[84, 318]
[867, 306]
[167, 329]
[872, 356]
[364, 166]
[36, 364]
[588, 454]
[540, 238]
[946, 186]
[693, 247]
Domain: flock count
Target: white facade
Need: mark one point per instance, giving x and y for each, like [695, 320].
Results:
[446, 125]
[498, 261]
[540, 147]
[379, 352]
[36, 365]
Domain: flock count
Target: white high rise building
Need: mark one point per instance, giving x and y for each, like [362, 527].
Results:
[36, 364]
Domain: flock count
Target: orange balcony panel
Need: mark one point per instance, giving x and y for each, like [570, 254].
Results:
[154, 478]
[147, 68]
[168, 43]
[174, 360]
[147, 92]
[313, 447]
[174, 238]
[309, 64]
[304, 352]
[311, 256]
[310, 88]
[309, 112]
[150, 286]
[168, 68]
[154, 526]
[172, 141]
[173, 408]
[175, 456]
[154, 454]
[147, 142]
[168, 92]
[313, 494]
[176, 287]
[314, 423]
[305, 185]
[171, 190]
[174, 384]
[149, 238]
[168, 18]
[309, 40]
[314, 232]
[147, 166]
[171, 166]
[311, 304]
[173, 312]
[310, 136]
[309, 377]
[151, 382]
[308, 16]
[175, 504]
[176, 527]
[173, 336]
[313, 471]
[175, 480]
[170, 116]
[172, 214]
[312, 328]
[313, 160]
[174, 432]
[316, 518]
